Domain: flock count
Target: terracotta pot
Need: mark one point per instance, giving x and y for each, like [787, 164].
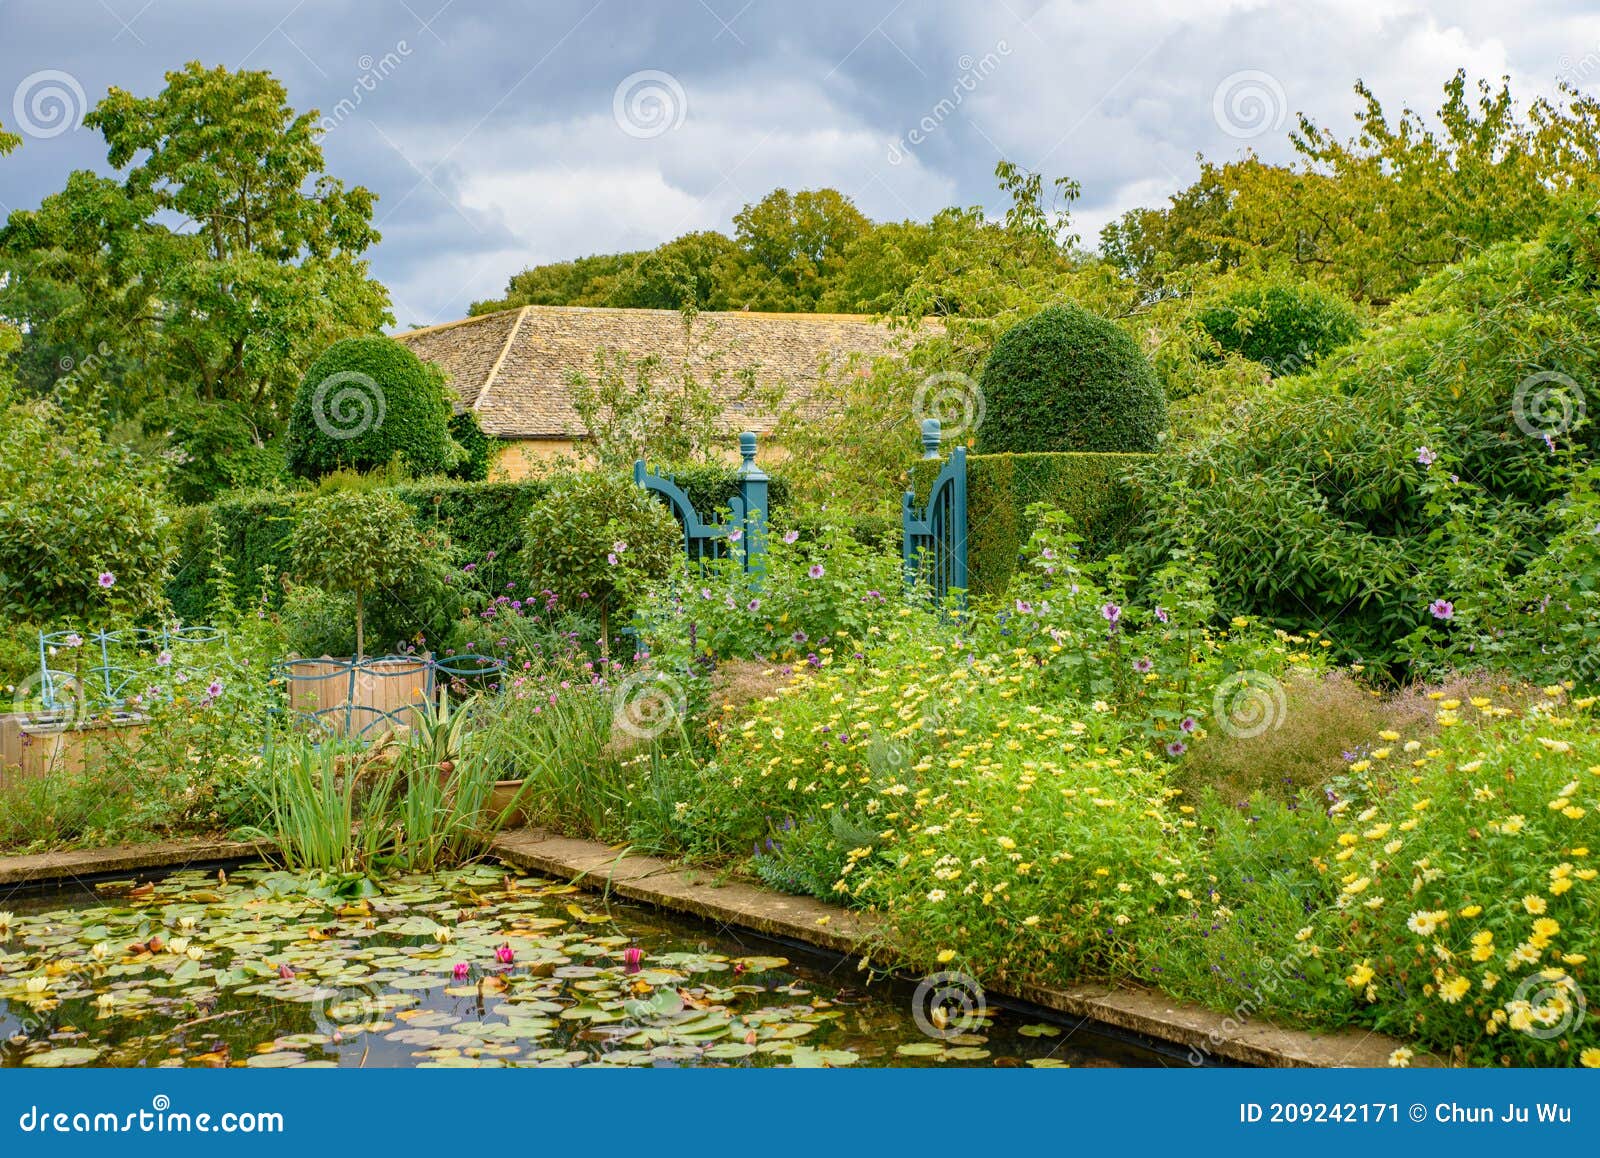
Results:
[500, 799]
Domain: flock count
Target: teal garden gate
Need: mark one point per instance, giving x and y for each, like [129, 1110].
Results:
[746, 520]
[934, 536]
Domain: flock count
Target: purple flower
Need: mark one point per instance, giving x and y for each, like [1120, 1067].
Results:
[1047, 553]
[490, 556]
[1442, 609]
[1024, 607]
[164, 659]
[214, 689]
[612, 559]
[619, 546]
[735, 535]
[72, 640]
[1177, 748]
[1143, 664]
[813, 660]
[816, 571]
[1161, 613]
[107, 579]
[798, 637]
[469, 568]
[1112, 612]
[753, 605]
[1425, 456]
[1187, 724]
[791, 537]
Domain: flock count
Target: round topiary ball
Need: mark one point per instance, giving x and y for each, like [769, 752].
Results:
[364, 401]
[1065, 380]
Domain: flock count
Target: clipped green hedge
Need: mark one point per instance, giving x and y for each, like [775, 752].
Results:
[1091, 487]
[477, 517]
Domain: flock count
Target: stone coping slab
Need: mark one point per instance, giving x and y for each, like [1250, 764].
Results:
[52, 867]
[1206, 1034]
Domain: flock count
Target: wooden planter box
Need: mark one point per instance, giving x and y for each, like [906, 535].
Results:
[387, 692]
[33, 745]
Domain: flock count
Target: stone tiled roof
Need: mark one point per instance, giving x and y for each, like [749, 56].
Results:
[513, 367]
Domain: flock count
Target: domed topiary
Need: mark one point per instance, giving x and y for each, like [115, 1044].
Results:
[364, 401]
[1066, 379]
[1285, 326]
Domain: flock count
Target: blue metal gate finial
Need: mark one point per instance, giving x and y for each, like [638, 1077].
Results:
[932, 435]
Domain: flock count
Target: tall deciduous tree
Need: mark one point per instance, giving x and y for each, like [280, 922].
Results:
[219, 262]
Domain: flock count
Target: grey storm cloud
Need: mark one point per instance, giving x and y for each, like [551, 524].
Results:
[499, 135]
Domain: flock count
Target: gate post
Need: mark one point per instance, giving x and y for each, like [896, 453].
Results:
[753, 490]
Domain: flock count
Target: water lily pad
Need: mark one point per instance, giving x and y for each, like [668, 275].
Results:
[1040, 1030]
[63, 1056]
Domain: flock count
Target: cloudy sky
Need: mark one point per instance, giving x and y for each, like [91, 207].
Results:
[499, 135]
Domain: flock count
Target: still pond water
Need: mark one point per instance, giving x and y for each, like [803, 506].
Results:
[479, 967]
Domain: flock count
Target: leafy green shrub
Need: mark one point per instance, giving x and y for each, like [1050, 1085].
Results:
[363, 403]
[1092, 489]
[477, 448]
[1417, 468]
[360, 542]
[1286, 325]
[595, 538]
[1069, 380]
[83, 531]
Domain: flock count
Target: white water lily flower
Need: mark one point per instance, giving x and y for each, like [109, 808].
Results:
[443, 936]
[37, 983]
[98, 950]
[5, 922]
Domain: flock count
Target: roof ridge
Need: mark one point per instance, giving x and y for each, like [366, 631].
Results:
[488, 379]
[468, 320]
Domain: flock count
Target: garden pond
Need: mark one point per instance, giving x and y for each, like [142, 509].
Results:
[472, 968]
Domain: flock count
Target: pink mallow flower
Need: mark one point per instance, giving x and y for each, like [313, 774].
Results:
[1442, 609]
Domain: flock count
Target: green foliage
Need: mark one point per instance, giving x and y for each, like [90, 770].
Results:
[360, 542]
[1068, 380]
[1092, 489]
[205, 274]
[1317, 502]
[1375, 214]
[74, 508]
[366, 402]
[477, 448]
[1282, 324]
[594, 538]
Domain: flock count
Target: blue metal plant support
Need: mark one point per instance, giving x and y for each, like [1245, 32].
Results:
[358, 693]
[746, 519]
[107, 669]
[934, 536]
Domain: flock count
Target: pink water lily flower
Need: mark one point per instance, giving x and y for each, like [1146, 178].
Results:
[285, 973]
[460, 971]
[631, 957]
[505, 955]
